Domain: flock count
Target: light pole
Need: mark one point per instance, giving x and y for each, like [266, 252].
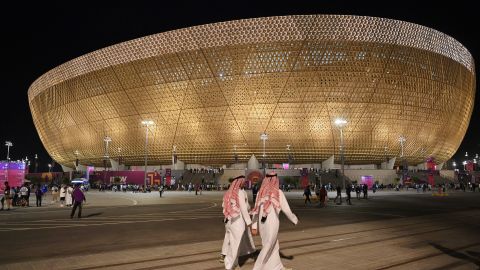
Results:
[49, 167]
[235, 155]
[264, 137]
[76, 159]
[36, 162]
[107, 140]
[119, 150]
[289, 154]
[454, 164]
[146, 124]
[402, 140]
[8, 144]
[341, 123]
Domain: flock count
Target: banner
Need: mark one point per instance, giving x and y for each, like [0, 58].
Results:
[126, 177]
[367, 180]
[13, 172]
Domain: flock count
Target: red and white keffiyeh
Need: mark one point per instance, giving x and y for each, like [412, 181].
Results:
[269, 194]
[231, 207]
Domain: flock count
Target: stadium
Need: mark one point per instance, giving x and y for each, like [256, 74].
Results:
[212, 90]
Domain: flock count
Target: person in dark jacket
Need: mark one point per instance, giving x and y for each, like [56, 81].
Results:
[339, 194]
[349, 191]
[323, 196]
[38, 195]
[365, 191]
[78, 198]
[307, 193]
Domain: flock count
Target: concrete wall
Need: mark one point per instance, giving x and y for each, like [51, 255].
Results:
[230, 173]
[238, 166]
[382, 176]
[360, 167]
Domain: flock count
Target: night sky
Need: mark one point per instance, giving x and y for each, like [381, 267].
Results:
[38, 37]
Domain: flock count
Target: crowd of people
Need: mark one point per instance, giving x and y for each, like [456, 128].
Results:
[20, 196]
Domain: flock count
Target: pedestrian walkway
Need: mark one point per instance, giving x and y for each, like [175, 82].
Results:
[385, 244]
[95, 219]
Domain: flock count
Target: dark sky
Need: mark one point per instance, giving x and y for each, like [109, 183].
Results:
[38, 37]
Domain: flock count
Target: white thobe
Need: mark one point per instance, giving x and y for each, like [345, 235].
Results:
[269, 257]
[236, 231]
[68, 197]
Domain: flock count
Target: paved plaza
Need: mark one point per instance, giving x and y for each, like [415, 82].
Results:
[390, 230]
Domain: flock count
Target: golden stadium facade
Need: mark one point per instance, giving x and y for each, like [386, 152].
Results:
[214, 88]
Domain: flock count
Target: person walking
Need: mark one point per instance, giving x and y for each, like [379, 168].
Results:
[8, 195]
[307, 193]
[68, 196]
[63, 193]
[365, 192]
[24, 195]
[323, 196]
[237, 219]
[78, 199]
[349, 191]
[270, 202]
[28, 194]
[339, 195]
[38, 195]
[160, 190]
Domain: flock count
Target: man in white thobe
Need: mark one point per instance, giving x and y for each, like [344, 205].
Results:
[270, 202]
[237, 219]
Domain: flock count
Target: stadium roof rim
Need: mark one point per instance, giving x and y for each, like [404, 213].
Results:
[256, 30]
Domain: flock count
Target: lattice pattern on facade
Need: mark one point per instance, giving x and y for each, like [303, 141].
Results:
[210, 87]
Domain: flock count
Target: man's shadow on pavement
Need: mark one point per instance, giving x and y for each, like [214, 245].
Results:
[93, 214]
[243, 259]
[470, 256]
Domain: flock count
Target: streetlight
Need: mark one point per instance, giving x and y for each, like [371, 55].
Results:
[146, 124]
[235, 156]
[107, 140]
[119, 150]
[341, 123]
[264, 137]
[8, 144]
[49, 167]
[289, 154]
[402, 140]
[36, 162]
[76, 152]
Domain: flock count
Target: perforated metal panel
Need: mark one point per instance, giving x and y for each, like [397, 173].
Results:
[210, 87]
